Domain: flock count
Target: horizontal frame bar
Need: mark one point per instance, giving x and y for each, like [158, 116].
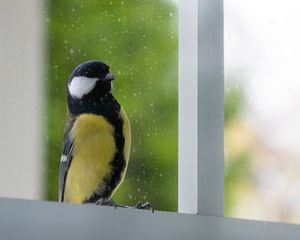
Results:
[21, 219]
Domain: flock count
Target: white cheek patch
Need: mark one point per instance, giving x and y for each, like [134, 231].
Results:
[80, 86]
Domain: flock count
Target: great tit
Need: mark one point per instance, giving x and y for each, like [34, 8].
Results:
[97, 138]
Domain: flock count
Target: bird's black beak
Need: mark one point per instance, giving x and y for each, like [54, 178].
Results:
[109, 77]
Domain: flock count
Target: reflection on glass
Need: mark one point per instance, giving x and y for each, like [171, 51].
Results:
[262, 109]
[138, 39]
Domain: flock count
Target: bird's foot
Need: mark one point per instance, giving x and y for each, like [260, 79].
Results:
[110, 203]
[104, 202]
[145, 206]
[100, 201]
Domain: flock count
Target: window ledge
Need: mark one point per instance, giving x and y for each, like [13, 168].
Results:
[21, 219]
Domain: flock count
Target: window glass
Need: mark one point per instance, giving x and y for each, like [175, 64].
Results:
[41, 43]
[262, 109]
[138, 40]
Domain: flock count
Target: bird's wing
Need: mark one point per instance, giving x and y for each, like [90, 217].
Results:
[66, 157]
[126, 134]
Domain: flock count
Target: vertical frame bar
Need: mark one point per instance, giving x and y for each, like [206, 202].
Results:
[21, 105]
[188, 107]
[211, 108]
[201, 107]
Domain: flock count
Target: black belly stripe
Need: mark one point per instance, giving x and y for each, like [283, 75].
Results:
[118, 163]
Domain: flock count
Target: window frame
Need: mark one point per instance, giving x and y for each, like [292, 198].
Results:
[201, 107]
[21, 219]
[201, 178]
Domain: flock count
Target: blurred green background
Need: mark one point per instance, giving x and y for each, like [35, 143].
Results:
[138, 39]
[237, 152]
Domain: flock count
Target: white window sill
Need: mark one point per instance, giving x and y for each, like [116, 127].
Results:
[21, 219]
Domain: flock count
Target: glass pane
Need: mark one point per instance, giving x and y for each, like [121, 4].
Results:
[262, 109]
[138, 40]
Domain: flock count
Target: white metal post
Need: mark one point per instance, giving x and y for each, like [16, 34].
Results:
[188, 107]
[201, 174]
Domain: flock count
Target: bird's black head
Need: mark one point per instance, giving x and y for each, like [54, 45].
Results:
[90, 79]
[90, 90]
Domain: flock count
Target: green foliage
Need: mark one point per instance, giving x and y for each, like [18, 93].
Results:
[138, 39]
[234, 103]
[237, 169]
[237, 164]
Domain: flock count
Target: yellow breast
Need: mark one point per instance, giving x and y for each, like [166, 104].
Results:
[94, 148]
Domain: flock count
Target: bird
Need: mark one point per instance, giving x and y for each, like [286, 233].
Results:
[97, 138]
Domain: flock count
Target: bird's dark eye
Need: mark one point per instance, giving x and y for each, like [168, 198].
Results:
[85, 72]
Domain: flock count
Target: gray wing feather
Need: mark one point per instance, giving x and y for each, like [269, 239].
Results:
[66, 158]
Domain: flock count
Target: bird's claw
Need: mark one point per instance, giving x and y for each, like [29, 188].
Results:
[112, 203]
[145, 206]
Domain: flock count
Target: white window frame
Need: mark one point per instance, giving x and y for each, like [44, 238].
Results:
[201, 100]
[201, 177]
